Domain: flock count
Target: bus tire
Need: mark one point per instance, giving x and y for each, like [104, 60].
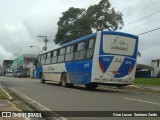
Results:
[64, 80]
[91, 86]
[70, 85]
[42, 78]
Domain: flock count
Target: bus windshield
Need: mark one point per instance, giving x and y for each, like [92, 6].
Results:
[120, 45]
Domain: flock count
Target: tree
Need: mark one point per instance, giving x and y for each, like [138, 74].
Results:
[71, 25]
[76, 22]
[103, 16]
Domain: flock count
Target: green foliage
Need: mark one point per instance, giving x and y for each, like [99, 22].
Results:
[103, 16]
[76, 22]
[71, 25]
[148, 81]
[3, 95]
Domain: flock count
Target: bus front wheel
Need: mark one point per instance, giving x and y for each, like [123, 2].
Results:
[64, 80]
[91, 86]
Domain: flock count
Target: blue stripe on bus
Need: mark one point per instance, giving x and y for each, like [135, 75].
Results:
[80, 39]
[124, 68]
[118, 33]
[106, 60]
[83, 73]
[83, 68]
[38, 71]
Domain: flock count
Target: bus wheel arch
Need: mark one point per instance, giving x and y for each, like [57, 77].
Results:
[41, 76]
[64, 79]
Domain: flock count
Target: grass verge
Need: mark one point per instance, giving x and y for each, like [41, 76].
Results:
[147, 81]
[3, 95]
[19, 103]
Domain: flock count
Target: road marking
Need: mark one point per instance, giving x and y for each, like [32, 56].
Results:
[33, 101]
[142, 101]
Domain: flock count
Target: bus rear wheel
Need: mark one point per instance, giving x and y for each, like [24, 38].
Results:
[42, 78]
[91, 86]
[64, 80]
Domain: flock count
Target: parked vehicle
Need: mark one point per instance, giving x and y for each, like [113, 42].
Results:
[10, 74]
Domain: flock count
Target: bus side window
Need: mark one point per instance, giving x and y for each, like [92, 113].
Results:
[90, 49]
[69, 53]
[61, 55]
[54, 57]
[81, 50]
[48, 59]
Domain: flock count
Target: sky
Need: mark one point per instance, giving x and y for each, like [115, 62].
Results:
[23, 20]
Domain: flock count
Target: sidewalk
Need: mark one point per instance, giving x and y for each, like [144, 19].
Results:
[6, 105]
[155, 90]
[150, 87]
[144, 89]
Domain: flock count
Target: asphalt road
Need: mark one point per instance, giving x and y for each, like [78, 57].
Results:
[57, 98]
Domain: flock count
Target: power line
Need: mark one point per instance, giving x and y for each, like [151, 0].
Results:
[137, 6]
[142, 18]
[142, 8]
[148, 31]
[144, 23]
[148, 3]
[134, 7]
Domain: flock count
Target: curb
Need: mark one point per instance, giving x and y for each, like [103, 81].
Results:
[142, 92]
[132, 91]
[10, 98]
[8, 95]
[36, 106]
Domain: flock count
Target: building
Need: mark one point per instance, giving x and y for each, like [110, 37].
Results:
[156, 65]
[143, 71]
[146, 71]
[6, 67]
[24, 65]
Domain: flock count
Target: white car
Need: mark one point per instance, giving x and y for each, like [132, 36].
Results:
[9, 74]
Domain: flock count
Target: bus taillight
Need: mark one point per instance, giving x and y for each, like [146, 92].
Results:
[102, 67]
[130, 69]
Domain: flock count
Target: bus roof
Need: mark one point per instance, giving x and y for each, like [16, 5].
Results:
[119, 33]
[80, 39]
[90, 36]
[94, 34]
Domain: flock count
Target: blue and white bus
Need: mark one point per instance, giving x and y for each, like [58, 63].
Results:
[104, 57]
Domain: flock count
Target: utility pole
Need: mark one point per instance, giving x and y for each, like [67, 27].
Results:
[45, 41]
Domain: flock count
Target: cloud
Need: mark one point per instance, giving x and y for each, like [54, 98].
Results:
[27, 20]
[15, 37]
[4, 54]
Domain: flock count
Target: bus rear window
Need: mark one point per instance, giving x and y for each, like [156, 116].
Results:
[120, 45]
